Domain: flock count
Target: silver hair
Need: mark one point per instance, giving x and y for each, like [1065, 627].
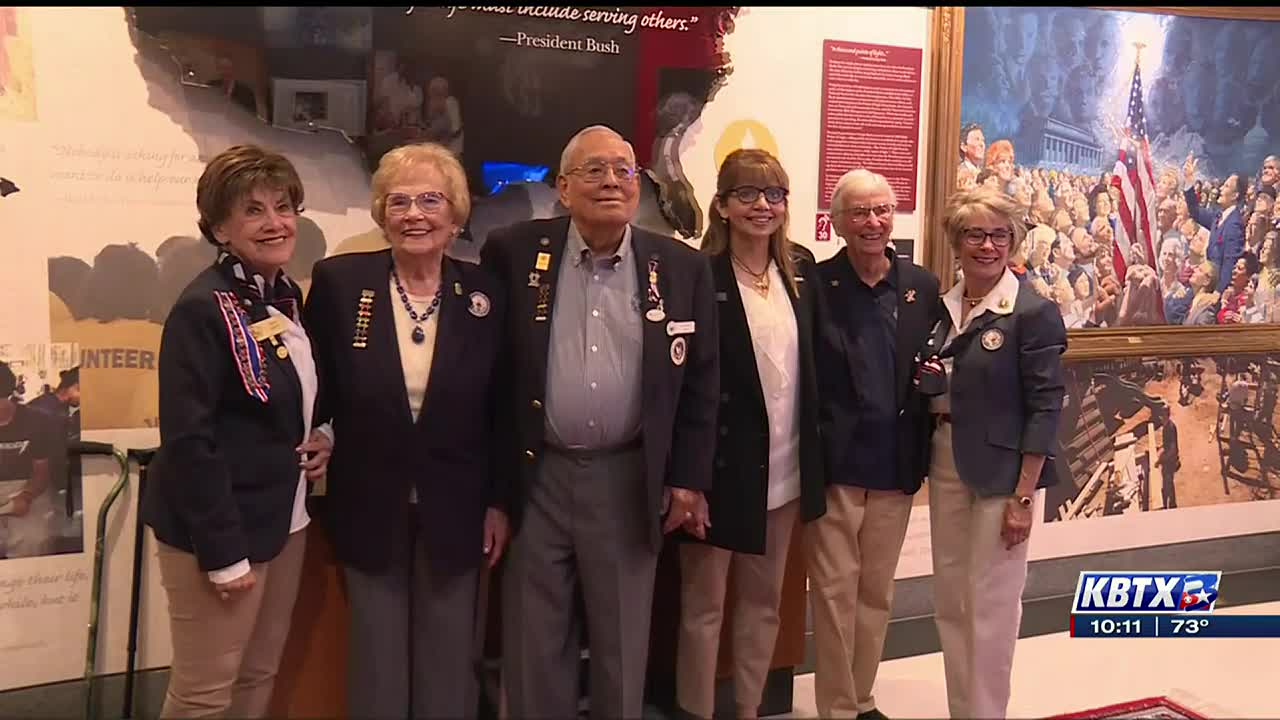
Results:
[572, 146]
[1179, 251]
[860, 181]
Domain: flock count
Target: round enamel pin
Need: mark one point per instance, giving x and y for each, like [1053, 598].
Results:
[679, 350]
[480, 304]
[993, 339]
[655, 315]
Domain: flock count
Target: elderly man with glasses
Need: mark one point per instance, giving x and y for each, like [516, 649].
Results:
[882, 308]
[609, 431]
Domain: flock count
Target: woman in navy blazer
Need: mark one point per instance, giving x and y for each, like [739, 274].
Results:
[238, 443]
[998, 347]
[769, 473]
[408, 341]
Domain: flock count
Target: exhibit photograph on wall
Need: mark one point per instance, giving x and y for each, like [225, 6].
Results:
[1144, 147]
[1142, 435]
[41, 497]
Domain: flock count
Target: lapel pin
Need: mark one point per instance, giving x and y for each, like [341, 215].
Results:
[835, 283]
[534, 278]
[910, 297]
[992, 339]
[282, 352]
[457, 288]
[480, 304]
[364, 311]
[544, 242]
[679, 350]
[543, 261]
[1004, 303]
[544, 303]
[654, 296]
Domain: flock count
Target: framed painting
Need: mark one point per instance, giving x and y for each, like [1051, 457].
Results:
[1144, 145]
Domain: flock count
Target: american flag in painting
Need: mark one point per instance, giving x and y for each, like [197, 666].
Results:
[1133, 176]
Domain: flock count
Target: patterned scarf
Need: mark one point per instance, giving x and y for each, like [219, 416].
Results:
[284, 294]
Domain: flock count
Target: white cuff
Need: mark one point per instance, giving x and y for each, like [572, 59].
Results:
[327, 429]
[230, 572]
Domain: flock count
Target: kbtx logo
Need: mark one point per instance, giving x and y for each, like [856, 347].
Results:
[1146, 592]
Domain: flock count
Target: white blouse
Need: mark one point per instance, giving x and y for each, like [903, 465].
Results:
[776, 343]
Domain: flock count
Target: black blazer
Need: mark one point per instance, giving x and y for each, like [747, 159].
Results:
[1006, 392]
[222, 484]
[680, 399]
[917, 313]
[380, 452]
[740, 481]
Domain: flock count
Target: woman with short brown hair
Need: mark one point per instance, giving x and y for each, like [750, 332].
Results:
[238, 449]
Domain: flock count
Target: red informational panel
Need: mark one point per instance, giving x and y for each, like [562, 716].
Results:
[870, 116]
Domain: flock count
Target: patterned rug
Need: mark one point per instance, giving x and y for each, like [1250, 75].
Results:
[1155, 707]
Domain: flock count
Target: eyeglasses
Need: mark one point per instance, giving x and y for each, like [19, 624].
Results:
[860, 213]
[429, 203]
[975, 237]
[593, 173]
[748, 194]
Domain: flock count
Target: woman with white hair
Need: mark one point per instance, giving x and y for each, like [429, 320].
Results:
[1177, 297]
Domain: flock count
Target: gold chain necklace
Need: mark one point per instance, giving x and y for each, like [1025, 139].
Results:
[760, 279]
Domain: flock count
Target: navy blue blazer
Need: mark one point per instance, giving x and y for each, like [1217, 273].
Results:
[1007, 391]
[222, 484]
[681, 392]
[1226, 239]
[380, 452]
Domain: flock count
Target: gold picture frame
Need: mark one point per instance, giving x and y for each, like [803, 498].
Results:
[946, 40]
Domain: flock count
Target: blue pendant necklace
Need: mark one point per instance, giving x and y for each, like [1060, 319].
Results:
[417, 335]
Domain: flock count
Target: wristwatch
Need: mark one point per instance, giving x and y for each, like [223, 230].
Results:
[1024, 500]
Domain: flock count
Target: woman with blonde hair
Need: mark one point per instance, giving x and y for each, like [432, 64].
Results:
[994, 373]
[769, 468]
[408, 341]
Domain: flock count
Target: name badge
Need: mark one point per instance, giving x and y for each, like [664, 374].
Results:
[680, 328]
[268, 328]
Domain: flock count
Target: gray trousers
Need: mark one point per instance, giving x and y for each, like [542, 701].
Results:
[584, 521]
[411, 641]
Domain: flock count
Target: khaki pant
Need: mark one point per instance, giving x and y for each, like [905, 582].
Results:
[757, 591]
[977, 584]
[226, 652]
[853, 555]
